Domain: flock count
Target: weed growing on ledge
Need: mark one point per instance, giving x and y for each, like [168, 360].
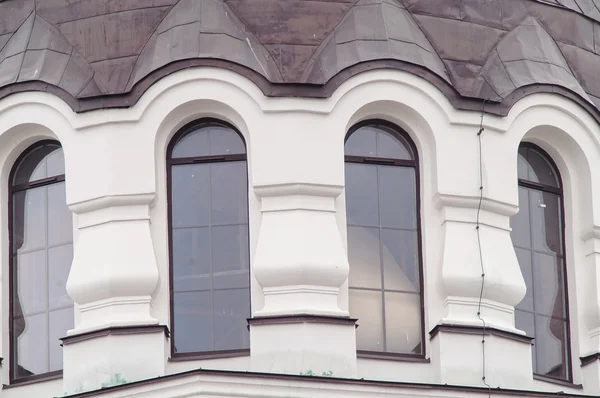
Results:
[309, 372]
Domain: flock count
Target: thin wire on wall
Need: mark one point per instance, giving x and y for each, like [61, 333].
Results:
[477, 225]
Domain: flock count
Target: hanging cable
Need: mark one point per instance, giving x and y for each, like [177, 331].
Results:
[477, 225]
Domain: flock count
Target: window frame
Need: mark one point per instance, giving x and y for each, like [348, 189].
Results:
[403, 137]
[565, 285]
[170, 162]
[12, 189]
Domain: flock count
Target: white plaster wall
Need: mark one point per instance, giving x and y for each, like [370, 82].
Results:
[122, 152]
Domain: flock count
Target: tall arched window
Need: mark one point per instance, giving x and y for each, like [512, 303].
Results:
[382, 209]
[208, 218]
[41, 252]
[538, 238]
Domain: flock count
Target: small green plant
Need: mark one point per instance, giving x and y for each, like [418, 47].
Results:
[115, 380]
[309, 372]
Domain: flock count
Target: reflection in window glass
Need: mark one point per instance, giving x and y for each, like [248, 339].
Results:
[41, 235]
[383, 241]
[209, 240]
[537, 235]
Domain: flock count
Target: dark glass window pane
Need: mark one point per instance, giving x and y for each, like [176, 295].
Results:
[29, 219]
[362, 207]
[42, 162]
[367, 306]
[191, 259]
[548, 285]
[522, 165]
[545, 221]
[193, 313]
[524, 259]
[210, 253]
[383, 242]
[521, 222]
[550, 341]
[190, 195]
[539, 168]
[403, 322]
[400, 261]
[60, 221]
[31, 278]
[538, 239]
[229, 193]
[41, 243]
[230, 256]
[209, 140]
[397, 197]
[59, 265]
[365, 257]
[232, 309]
[377, 141]
[32, 346]
[362, 142]
[192, 144]
[225, 141]
[391, 146]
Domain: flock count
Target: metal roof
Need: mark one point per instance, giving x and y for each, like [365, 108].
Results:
[104, 53]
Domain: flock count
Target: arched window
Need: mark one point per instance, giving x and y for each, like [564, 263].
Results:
[538, 238]
[41, 252]
[208, 222]
[382, 209]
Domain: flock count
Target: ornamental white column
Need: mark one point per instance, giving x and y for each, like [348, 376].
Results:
[300, 260]
[112, 279]
[114, 271]
[590, 357]
[480, 308]
[467, 256]
[301, 264]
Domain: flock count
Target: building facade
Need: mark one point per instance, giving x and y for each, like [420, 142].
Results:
[268, 198]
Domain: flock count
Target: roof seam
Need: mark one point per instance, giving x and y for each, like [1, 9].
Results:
[28, 40]
[385, 27]
[16, 30]
[110, 13]
[506, 71]
[66, 67]
[112, 59]
[561, 53]
[146, 43]
[324, 43]
[460, 21]
[437, 54]
[539, 62]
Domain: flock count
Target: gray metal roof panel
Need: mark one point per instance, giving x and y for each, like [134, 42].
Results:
[202, 29]
[486, 49]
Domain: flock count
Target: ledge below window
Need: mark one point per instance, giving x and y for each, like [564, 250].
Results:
[195, 356]
[391, 357]
[34, 379]
[559, 382]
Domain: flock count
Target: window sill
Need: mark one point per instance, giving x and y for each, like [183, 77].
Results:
[392, 357]
[34, 379]
[195, 356]
[559, 382]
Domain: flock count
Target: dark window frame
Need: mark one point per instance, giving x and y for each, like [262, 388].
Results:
[170, 161]
[403, 137]
[12, 189]
[565, 285]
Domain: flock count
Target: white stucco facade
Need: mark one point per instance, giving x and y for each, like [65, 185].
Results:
[116, 187]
